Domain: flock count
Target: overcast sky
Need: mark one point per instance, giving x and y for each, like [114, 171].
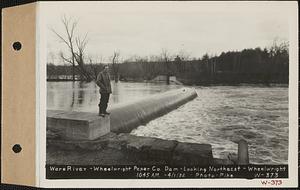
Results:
[144, 28]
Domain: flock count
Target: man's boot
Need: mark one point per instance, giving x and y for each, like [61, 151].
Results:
[100, 111]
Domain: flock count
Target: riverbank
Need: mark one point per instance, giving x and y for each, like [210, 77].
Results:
[127, 149]
[189, 83]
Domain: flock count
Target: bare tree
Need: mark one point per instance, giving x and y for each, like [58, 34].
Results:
[184, 55]
[51, 57]
[79, 57]
[180, 60]
[76, 46]
[154, 58]
[95, 66]
[166, 59]
[278, 47]
[115, 66]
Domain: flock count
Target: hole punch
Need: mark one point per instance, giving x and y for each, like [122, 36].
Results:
[17, 46]
[17, 148]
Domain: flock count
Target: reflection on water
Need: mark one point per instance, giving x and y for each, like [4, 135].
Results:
[82, 96]
[219, 115]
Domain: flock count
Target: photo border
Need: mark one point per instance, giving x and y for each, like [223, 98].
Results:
[191, 183]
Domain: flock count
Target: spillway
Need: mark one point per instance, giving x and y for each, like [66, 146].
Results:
[126, 117]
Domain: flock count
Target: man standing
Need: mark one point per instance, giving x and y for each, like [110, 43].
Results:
[103, 81]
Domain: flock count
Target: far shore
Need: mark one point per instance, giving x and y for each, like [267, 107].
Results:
[256, 84]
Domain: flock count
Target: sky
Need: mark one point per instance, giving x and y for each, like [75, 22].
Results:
[145, 28]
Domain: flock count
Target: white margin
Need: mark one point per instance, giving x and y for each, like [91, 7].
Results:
[292, 9]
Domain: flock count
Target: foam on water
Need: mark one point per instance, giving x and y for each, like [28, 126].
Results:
[223, 115]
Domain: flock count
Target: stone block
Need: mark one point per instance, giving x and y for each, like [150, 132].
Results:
[97, 144]
[77, 125]
[140, 144]
[192, 154]
[162, 149]
[218, 161]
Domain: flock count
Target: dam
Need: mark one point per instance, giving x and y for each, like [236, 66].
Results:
[126, 117]
[75, 131]
[123, 118]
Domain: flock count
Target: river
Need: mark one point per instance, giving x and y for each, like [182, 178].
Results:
[220, 115]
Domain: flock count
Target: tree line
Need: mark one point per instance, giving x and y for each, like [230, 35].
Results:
[247, 66]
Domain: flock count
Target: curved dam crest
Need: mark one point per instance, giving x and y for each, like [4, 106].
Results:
[126, 117]
[123, 118]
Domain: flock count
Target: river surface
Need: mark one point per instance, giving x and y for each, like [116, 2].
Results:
[220, 115]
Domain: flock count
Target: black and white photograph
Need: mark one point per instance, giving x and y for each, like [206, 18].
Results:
[169, 90]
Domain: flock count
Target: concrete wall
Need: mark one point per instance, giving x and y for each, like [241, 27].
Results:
[163, 78]
[126, 117]
[160, 78]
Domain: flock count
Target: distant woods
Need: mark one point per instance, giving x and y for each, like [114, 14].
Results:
[247, 66]
[268, 65]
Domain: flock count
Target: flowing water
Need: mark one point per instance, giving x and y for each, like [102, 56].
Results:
[220, 115]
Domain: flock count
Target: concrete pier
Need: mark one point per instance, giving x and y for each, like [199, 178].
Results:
[77, 125]
[243, 155]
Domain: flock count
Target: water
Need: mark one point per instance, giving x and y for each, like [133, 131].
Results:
[80, 96]
[219, 116]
